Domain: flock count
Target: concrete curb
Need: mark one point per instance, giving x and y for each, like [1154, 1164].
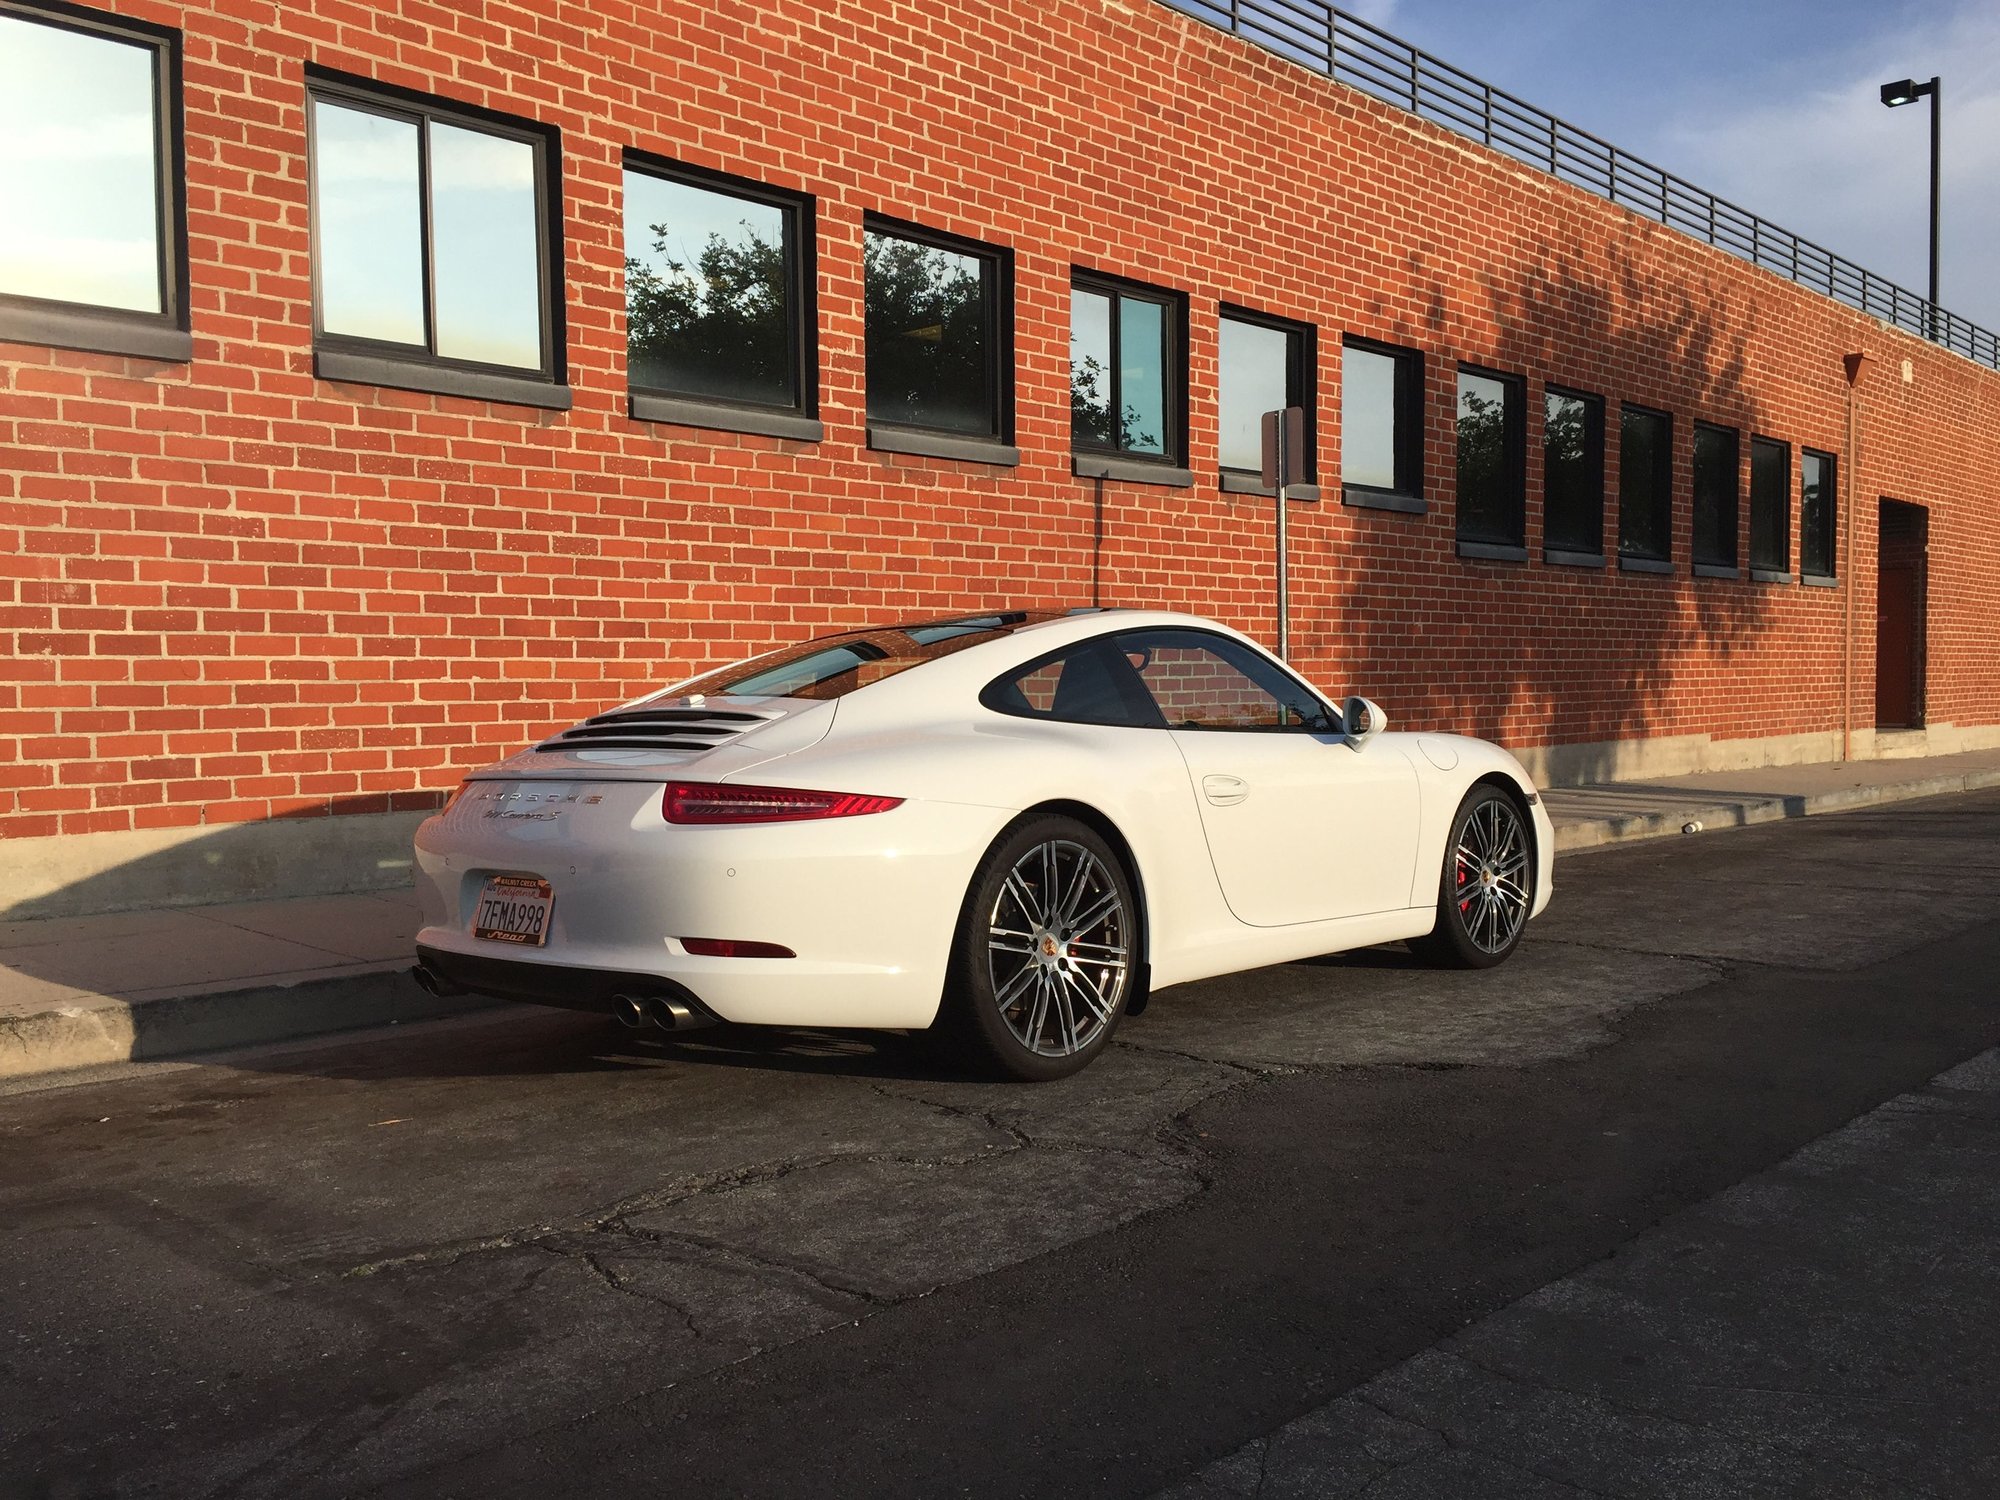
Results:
[1588, 833]
[100, 1029]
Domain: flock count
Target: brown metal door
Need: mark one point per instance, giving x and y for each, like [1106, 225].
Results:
[1896, 648]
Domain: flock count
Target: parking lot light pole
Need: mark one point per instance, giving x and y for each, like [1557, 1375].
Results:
[1908, 91]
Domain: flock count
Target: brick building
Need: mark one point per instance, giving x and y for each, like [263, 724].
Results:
[384, 384]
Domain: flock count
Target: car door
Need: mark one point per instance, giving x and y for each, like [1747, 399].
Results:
[1301, 826]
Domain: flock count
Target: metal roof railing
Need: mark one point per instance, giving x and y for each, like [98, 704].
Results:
[1350, 50]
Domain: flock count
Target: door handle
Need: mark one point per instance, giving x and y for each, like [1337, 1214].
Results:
[1224, 791]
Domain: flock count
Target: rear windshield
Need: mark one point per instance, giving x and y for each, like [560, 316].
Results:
[835, 665]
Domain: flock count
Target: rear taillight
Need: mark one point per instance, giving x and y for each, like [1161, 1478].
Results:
[456, 792]
[723, 802]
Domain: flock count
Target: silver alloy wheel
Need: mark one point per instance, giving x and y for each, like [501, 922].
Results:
[1058, 948]
[1491, 884]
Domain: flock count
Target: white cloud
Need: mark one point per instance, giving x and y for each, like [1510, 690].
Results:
[1375, 12]
[1834, 165]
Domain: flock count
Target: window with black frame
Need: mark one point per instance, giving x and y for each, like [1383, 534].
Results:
[1263, 364]
[719, 321]
[1127, 381]
[92, 193]
[1572, 478]
[1492, 469]
[1717, 461]
[1819, 506]
[1381, 426]
[1645, 490]
[937, 313]
[435, 251]
[1770, 510]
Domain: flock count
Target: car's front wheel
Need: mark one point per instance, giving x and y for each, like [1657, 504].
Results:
[1046, 957]
[1487, 887]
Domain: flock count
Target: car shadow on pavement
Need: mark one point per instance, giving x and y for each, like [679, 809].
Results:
[529, 1041]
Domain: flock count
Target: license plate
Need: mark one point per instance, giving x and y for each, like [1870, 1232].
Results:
[515, 909]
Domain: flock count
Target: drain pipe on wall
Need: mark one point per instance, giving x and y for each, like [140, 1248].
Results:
[1854, 364]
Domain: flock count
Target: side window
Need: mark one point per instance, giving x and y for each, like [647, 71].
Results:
[1263, 364]
[436, 251]
[719, 311]
[92, 193]
[1818, 499]
[1203, 681]
[938, 318]
[1492, 463]
[1090, 683]
[1381, 425]
[1127, 380]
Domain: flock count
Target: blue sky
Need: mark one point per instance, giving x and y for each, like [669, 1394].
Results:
[1769, 103]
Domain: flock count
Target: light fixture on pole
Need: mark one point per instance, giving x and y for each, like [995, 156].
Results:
[1908, 91]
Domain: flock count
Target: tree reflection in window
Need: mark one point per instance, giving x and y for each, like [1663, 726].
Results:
[931, 316]
[710, 306]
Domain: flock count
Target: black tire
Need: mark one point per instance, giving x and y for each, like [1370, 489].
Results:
[1046, 957]
[1487, 886]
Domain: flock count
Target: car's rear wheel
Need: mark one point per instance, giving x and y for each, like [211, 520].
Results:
[1047, 952]
[1487, 886]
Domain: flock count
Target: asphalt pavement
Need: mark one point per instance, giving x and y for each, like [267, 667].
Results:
[1697, 1195]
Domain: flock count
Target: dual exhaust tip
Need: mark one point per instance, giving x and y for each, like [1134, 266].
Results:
[655, 1013]
[638, 1012]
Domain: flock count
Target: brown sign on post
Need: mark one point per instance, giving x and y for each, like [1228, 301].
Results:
[1285, 447]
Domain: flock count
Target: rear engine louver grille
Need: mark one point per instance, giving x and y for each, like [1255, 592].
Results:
[656, 729]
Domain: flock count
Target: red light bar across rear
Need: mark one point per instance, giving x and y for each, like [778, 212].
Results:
[727, 802]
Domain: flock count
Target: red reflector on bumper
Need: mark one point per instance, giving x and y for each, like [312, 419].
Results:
[735, 948]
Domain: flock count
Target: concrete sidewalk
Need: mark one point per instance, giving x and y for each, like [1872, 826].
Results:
[79, 992]
[1590, 815]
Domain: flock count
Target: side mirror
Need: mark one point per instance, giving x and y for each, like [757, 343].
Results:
[1363, 719]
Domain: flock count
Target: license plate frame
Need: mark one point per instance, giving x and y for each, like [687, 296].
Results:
[515, 909]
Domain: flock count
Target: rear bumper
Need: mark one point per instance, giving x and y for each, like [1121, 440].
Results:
[868, 905]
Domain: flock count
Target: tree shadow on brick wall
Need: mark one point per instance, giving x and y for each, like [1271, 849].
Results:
[1539, 653]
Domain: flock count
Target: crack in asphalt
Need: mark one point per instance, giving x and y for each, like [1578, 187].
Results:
[618, 1284]
[623, 1209]
[1251, 1070]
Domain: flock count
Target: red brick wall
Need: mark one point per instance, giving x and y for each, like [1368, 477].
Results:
[230, 591]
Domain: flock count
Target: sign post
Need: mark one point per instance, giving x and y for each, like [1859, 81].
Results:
[1284, 466]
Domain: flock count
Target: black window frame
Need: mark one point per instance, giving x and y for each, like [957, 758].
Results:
[1830, 498]
[997, 292]
[1631, 557]
[1514, 461]
[1561, 552]
[799, 421]
[1406, 441]
[164, 335]
[1763, 569]
[1301, 371]
[363, 361]
[1103, 461]
[1716, 566]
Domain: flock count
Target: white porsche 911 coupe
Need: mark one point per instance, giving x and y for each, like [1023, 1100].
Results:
[1013, 827]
